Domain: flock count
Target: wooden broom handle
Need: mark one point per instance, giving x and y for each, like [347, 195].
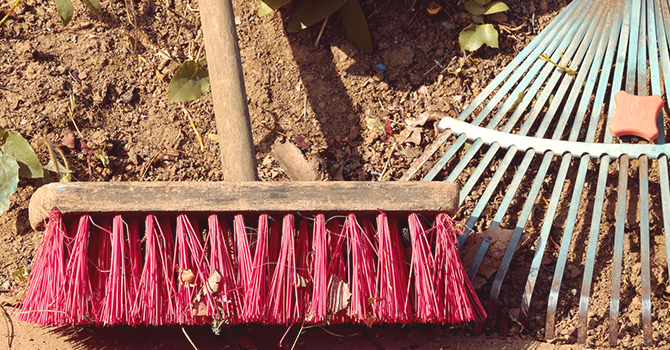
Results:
[228, 93]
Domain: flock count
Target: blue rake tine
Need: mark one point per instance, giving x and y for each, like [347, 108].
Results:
[483, 165]
[620, 224]
[584, 44]
[596, 64]
[643, 166]
[541, 174]
[618, 250]
[602, 177]
[663, 14]
[645, 251]
[528, 98]
[599, 197]
[545, 40]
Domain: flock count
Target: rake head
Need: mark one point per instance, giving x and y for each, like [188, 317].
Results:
[541, 131]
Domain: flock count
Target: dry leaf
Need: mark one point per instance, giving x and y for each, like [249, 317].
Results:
[61, 168]
[213, 282]
[370, 320]
[300, 281]
[293, 162]
[201, 310]
[410, 134]
[69, 140]
[301, 142]
[338, 295]
[499, 238]
[415, 137]
[186, 276]
[373, 124]
[427, 116]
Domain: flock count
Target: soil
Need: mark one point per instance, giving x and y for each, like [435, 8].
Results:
[345, 114]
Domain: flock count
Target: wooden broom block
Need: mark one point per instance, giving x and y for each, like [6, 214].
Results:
[178, 197]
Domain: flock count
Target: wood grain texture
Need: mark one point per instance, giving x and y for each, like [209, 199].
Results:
[228, 93]
[184, 197]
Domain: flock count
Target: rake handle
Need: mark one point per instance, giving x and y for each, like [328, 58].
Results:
[228, 92]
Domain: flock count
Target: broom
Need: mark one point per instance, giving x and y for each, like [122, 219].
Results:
[163, 253]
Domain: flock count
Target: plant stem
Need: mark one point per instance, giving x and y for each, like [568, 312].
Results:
[190, 119]
[318, 37]
[11, 10]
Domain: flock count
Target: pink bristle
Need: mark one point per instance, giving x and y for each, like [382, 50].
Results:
[228, 295]
[243, 259]
[336, 244]
[303, 277]
[47, 279]
[423, 266]
[459, 298]
[194, 303]
[99, 254]
[274, 246]
[282, 301]
[361, 270]
[256, 293]
[337, 269]
[154, 300]
[133, 269]
[392, 300]
[79, 295]
[318, 306]
[115, 305]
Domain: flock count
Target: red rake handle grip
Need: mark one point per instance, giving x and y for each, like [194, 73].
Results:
[228, 93]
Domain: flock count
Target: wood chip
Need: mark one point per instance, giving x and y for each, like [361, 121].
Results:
[293, 162]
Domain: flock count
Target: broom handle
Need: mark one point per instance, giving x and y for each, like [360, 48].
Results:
[228, 93]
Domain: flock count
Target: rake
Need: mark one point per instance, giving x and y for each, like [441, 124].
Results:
[559, 135]
[322, 252]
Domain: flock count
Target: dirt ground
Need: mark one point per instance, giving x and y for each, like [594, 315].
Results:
[346, 115]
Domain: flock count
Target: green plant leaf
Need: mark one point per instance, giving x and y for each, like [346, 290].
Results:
[356, 26]
[311, 12]
[65, 10]
[495, 8]
[17, 147]
[102, 155]
[478, 19]
[189, 82]
[94, 6]
[9, 180]
[474, 8]
[267, 6]
[476, 35]
[483, 2]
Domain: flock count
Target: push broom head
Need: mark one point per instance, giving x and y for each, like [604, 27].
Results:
[270, 253]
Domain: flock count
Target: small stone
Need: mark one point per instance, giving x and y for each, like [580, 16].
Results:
[129, 167]
[381, 67]
[128, 96]
[353, 133]
[543, 5]
[448, 25]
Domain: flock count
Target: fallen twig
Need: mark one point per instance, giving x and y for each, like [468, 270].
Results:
[10, 326]
[189, 338]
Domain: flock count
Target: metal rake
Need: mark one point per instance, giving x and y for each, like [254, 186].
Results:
[562, 118]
